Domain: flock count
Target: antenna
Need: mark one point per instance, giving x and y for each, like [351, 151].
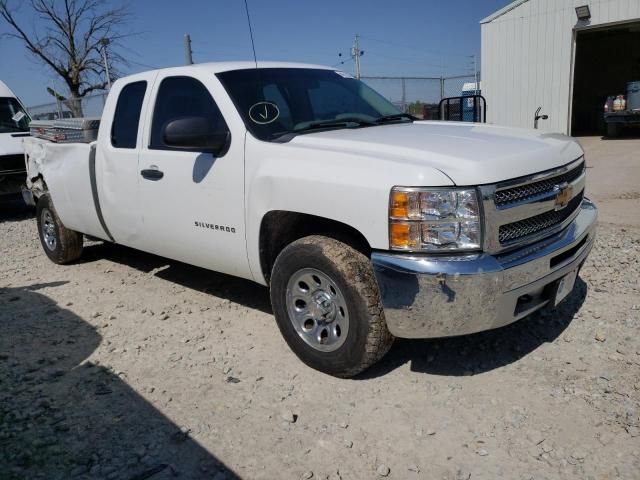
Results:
[253, 45]
[259, 88]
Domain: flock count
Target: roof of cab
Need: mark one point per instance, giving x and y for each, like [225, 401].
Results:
[218, 67]
[5, 91]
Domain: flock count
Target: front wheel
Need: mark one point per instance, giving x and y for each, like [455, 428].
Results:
[326, 303]
[59, 243]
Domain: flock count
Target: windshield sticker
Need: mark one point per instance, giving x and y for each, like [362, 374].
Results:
[264, 112]
[18, 116]
[345, 75]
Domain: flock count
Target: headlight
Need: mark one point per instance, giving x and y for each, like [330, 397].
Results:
[434, 219]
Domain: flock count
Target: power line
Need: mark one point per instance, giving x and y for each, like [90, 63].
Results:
[140, 64]
[414, 62]
[412, 47]
[151, 67]
[342, 62]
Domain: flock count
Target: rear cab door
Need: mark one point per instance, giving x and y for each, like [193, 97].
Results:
[116, 163]
[192, 210]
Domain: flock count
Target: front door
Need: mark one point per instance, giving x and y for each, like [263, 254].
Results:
[192, 203]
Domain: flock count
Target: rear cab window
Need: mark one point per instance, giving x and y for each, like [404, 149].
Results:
[126, 120]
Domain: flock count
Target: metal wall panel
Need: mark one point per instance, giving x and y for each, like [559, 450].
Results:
[527, 56]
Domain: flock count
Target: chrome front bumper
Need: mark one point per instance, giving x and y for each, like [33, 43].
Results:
[427, 296]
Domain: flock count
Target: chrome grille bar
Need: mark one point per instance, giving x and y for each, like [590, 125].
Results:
[530, 226]
[527, 209]
[530, 191]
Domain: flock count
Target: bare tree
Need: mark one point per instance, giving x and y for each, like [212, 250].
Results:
[69, 39]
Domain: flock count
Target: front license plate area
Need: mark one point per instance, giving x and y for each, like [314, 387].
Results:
[565, 286]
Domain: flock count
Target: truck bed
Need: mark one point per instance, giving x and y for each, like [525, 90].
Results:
[69, 170]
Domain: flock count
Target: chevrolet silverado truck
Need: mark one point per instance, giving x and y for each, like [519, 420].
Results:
[364, 223]
[14, 125]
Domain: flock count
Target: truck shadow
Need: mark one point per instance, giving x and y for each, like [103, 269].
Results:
[234, 289]
[454, 356]
[64, 416]
[484, 351]
[13, 208]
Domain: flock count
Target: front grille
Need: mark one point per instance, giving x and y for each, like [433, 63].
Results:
[9, 163]
[530, 226]
[526, 192]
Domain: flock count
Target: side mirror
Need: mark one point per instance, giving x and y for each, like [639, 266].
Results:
[197, 134]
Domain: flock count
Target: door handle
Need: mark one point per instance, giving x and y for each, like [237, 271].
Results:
[152, 174]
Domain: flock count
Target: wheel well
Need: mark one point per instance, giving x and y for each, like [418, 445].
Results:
[39, 187]
[279, 228]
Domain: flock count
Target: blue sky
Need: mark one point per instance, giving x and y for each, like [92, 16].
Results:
[404, 37]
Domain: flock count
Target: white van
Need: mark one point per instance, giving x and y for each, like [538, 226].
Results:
[14, 126]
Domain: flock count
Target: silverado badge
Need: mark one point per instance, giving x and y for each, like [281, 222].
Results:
[213, 226]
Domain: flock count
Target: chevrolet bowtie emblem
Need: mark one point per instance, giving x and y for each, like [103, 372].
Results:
[565, 193]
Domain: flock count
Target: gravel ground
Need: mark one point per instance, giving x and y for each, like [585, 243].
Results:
[615, 190]
[129, 366]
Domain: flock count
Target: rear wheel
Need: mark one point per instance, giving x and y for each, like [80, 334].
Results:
[326, 303]
[59, 243]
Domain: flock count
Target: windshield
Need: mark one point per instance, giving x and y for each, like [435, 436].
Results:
[274, 102]
[13, 118]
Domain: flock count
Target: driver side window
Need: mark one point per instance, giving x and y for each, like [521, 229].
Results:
[180, 97]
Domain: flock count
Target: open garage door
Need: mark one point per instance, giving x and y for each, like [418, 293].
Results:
[606, 60]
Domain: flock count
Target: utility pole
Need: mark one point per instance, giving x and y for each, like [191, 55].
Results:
[404, 95]
[104, 42]
[356, 53]
[475, 72]
[188, 53]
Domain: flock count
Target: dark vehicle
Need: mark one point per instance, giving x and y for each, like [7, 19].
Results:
[623, 112]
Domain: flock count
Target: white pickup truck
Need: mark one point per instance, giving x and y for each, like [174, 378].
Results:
[365, 223]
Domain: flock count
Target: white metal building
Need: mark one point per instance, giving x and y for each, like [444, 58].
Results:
[538, 53]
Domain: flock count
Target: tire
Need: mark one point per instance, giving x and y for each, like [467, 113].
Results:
[59, 243]
[340, 330]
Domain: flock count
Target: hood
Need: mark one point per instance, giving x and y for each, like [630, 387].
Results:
[10, 145]
[469, 154]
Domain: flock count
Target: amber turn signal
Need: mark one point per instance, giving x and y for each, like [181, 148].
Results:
[403, 235]
[399, 204]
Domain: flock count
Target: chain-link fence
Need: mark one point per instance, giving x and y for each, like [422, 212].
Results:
[420, 96]
[89, 106]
